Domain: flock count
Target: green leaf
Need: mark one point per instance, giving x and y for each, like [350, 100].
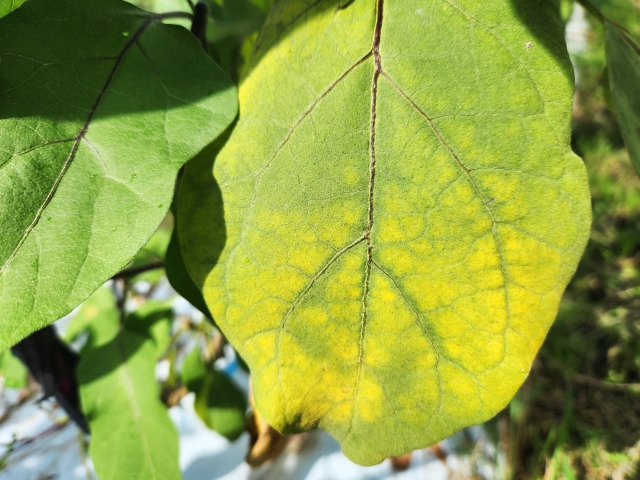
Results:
[12, 370]
[100, 106]
[8, 6]
[156, 247]
[179, 278]
[220, 405]
[622, 33]
[99, 316]
[623, 58]
[386, 235]
[193, 369]
[153, 318]
[219, 402]
[227, 17]
[235, 18]
[131, 432]
[163, 6]
[621, 12]
[563, 8]
[176, 270]
[153, 252]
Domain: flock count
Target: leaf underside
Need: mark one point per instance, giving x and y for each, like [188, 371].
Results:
[100, 105]
[402, 213]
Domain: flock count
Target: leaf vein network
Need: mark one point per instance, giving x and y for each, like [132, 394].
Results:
[379, 71]
[475, 186]
[76, 141]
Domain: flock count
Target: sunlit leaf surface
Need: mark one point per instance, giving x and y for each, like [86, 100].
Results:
[132, 435]
[403, 212]
[100, 105]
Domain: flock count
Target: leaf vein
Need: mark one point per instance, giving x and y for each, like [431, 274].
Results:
[494, 222]
[76, 141]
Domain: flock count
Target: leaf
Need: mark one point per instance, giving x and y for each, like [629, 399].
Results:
[386, 235]
[179, 278]
[621, 12]
[176, 270]
[622, 33]
[265, 442]
[156, 247]
[153, 318]
[163, 6]
[12, 370]
[99, 316]
[153, 253]
[100, 105]
[193, 368]
[623, 58]
[565, 8]
[226, 18]
[131, 431]
[54, 366]
[236, 18]
[219, 403]
[8, 6]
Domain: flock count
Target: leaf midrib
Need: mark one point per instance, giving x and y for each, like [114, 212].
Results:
[367, 231]
[377, 71]
[131, 393]
[366, 235]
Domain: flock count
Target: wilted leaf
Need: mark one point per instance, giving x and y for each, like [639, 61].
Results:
[402, 214]
[53, 365]
[100, 105]
[266, 443]
[130, 429]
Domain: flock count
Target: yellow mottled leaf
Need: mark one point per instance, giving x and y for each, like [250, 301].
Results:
[387, 233]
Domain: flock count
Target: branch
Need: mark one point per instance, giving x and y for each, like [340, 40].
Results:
[133, 271]
[613, 387]
[199, 23]
[587, 380]
[168, 15]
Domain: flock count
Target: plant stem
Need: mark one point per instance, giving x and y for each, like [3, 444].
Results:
[614, 387]
[133, 271]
